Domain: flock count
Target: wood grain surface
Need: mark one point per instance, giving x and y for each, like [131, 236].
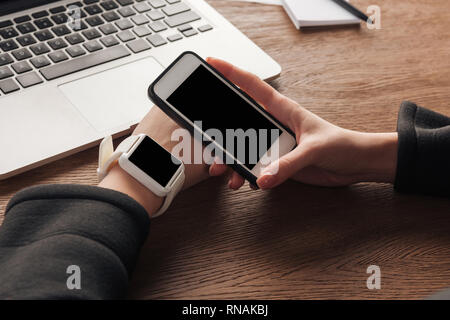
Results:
[302, 242]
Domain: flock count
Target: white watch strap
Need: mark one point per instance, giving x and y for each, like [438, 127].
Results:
[177, 186]
[107, 156]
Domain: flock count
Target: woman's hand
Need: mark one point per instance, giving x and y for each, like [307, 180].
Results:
[326, 155]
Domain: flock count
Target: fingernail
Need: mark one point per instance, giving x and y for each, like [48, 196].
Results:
[266, 181]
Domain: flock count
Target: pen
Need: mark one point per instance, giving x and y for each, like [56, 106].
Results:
[347, 6]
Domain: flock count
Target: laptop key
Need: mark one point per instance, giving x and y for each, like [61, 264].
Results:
[158, 26]
[5, 59]
[21, 67]
[125, 2]
[125, 36]
[124, 24]
[78, 26]
[8, 86]
[84, 62]
[22, 19]
[93, 10]
[75, 51]
[190, 33]
[8, 45]
[157, 3]
[138, 45]
[40, 14]
[142, 7]
[74, 38]
[6, 23]
[108, 29]
[92, 46]
[109, 41]
[126, 12]
[175, 9]
[8, 33]
[156, 40]
[140, 19]
[57, 9]
[43, 35]
[142, 31]
[21, 54]
[26, 28]
[205, 28]
[175, 37]
[5, 72]
[155, 15]
[109, 5]
[61, 30]
[43, 23]
[110, 16]
[58, 56]
[182, 18]
[76, 3]
[40, 62]
[94, 21]
[91, 34]
[40, 48]
[173, 1]
[184, 28]
[26, 40]
[29, 79]
[57, 44]
[60, 18]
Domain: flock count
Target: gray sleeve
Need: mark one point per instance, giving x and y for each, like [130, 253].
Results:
[49, 228]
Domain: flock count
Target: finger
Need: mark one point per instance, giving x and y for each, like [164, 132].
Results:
[217, 169]
[283, 168]
[275, 103]
[236, 181]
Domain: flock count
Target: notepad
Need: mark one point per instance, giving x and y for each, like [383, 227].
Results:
[311, 13]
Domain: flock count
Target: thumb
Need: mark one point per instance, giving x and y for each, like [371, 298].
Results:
[284, 168]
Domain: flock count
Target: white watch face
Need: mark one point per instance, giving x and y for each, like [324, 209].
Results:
[152, 165]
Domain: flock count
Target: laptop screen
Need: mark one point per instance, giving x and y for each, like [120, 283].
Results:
[10, 6]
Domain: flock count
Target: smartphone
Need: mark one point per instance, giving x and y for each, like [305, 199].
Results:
[203, 101]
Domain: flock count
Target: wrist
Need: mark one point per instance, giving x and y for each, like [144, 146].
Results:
[378, 156]
[117, 179]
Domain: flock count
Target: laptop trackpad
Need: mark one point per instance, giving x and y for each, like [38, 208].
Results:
[116, 97]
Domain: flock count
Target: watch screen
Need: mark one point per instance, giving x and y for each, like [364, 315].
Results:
[155, 161]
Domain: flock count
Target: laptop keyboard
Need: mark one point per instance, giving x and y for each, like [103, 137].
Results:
[46, 45]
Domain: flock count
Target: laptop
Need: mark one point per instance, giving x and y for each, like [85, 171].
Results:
[72, 72]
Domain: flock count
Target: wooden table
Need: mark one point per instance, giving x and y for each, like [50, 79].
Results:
[299, 242]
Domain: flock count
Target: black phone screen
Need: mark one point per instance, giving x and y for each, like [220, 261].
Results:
[203, 97]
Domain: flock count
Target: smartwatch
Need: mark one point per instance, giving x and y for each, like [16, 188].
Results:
[146, 161]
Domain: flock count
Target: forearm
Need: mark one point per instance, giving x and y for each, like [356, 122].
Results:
[378, 156]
